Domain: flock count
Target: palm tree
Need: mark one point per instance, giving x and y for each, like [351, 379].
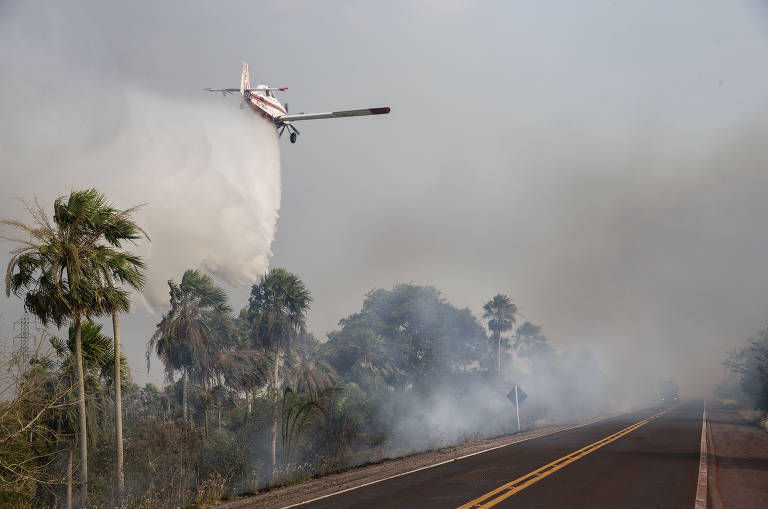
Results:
[98, 362]
[278, 308]
[310, 371]
[204, 400]
[97, 349]
[241, 364]
[500, 312]
[244, 370]
[59, 270]
[300, 412]
[128, 271]
[181, 339]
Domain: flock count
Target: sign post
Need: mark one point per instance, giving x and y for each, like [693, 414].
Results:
[517, 396]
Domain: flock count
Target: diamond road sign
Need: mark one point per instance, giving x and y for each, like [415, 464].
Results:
[520, 396]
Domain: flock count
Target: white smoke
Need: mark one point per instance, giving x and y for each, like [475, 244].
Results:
[207, 172]
[80, 108]
[93, 96]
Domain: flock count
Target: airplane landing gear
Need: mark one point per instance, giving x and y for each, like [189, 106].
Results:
[291, 130]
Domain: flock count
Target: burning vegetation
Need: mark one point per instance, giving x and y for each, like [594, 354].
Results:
[252, 398]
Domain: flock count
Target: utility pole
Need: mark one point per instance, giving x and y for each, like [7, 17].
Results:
[517, 410]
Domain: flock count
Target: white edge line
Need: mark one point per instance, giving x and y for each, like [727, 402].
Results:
[449, 461]
[701, 488]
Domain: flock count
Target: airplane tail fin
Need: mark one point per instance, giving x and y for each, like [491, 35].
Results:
[245, 83]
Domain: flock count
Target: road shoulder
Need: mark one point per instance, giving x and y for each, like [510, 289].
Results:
[738, 461]
[359, 476]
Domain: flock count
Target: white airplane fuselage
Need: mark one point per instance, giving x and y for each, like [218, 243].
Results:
[264, 104]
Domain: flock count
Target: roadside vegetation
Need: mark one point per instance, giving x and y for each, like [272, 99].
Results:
[251, 397]
[746, 386]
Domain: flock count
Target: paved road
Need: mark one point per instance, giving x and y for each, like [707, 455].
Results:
[651, 465]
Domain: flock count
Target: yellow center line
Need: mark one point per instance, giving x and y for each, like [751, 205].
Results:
[505, 491]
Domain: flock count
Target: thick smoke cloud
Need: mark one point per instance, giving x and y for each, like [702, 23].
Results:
[207, 173]
[564, 387]
[600, 162]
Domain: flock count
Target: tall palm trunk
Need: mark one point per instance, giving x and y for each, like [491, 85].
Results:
[120, 479]
[184, 394]
[69, 477]
[118, 415]
[218, 402]
[275, 419]
[277, 366]
[498, 338]
[499, 319]
[83, 425]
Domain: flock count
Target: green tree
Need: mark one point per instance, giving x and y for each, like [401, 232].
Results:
[405, 336]
[181, 339]
[362, 356]
[530, 342]
[60, 270]
[500, 312]
[278, 308]
[749, 364]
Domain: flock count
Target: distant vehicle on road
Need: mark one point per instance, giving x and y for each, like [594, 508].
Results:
[669, 394]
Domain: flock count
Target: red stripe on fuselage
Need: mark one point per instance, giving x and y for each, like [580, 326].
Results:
[258, 110]
[251, 95]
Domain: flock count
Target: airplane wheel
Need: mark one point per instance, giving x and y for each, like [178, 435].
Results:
[293, 137]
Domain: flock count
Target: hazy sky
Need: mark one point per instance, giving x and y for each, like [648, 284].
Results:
[603, 163]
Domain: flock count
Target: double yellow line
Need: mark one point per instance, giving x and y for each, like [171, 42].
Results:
[505, 491]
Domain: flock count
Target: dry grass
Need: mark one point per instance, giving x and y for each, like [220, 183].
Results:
[730, 403]
[752, 416]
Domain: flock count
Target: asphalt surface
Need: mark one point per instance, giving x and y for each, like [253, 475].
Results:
[652, 466]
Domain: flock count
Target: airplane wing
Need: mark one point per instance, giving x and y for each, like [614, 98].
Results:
[335, 114]
[222, 90]
[230, 90]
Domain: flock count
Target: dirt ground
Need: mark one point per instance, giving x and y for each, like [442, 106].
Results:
[355, 477]
[738, 461]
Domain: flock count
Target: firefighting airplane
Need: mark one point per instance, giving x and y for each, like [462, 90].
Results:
[263, 102]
